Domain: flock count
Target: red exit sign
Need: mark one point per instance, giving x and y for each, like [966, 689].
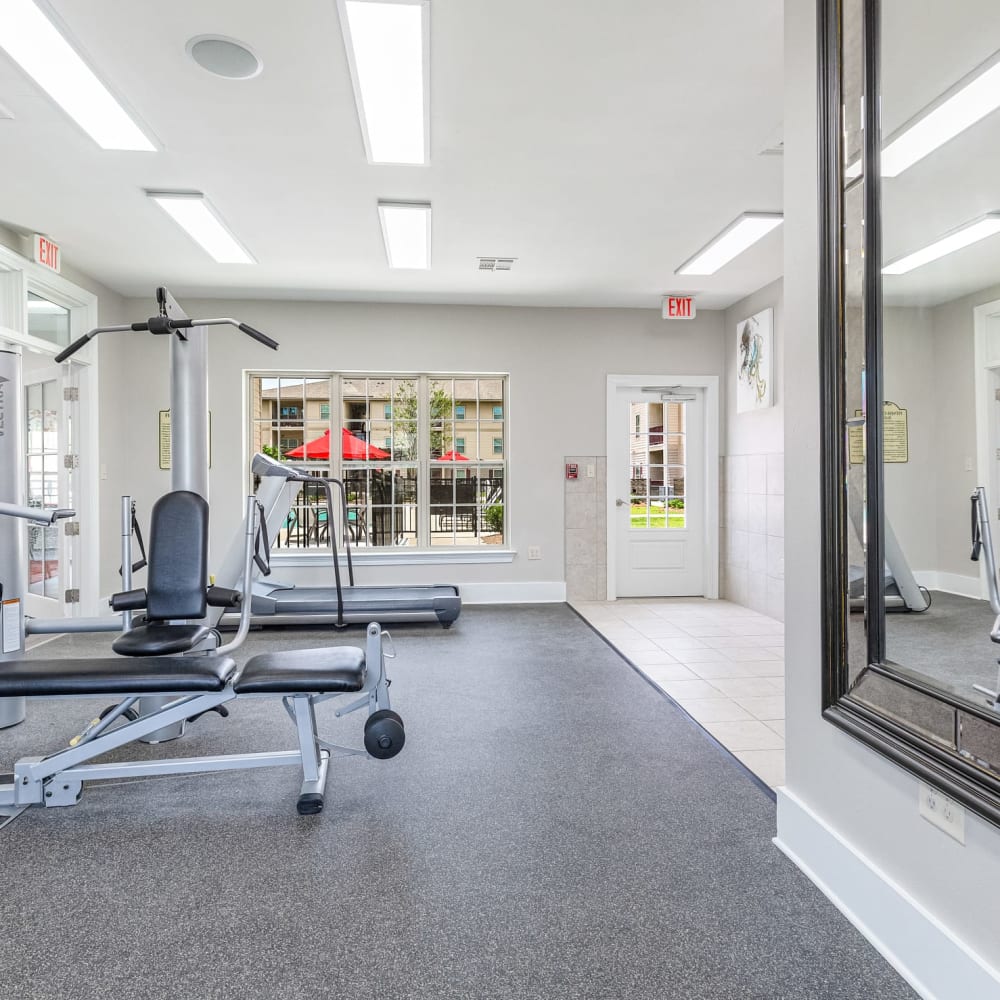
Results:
[47, 253]
[678, 307]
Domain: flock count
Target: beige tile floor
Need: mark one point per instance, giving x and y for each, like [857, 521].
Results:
[722, 663]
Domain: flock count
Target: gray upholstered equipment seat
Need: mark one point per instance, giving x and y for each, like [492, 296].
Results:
[39, 678]
[335, 669]
[304, 671]
[159, 639]
[176, 581]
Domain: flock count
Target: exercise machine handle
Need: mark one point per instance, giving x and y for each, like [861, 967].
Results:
[262, 338]
[257, 335]
[165, 325]
[68, 352]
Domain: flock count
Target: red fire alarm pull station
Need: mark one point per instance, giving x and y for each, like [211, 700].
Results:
[572, 470]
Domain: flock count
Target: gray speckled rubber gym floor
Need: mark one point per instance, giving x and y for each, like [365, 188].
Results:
[554, 828]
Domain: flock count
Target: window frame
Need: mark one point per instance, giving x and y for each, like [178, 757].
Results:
[425, 549]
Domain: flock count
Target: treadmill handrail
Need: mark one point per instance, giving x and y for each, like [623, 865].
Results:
[984, 543]
[40, 515]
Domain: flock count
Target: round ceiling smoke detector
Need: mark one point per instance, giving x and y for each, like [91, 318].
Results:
[224, 57]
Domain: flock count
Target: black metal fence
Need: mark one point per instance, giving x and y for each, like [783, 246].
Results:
[382, 512]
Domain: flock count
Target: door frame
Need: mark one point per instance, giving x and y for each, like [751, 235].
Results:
[18, 275]
[710, 385]
[986, 362]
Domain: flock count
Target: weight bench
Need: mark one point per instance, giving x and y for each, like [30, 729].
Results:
[193, 685]
[159, 693]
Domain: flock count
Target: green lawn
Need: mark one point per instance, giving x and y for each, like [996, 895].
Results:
[658, 517]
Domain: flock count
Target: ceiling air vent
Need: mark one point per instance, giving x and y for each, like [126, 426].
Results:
[496, 263]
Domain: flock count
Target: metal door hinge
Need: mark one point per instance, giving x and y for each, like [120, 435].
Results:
[71, 461]
[71, 394]
[73, 596]
[71, 528]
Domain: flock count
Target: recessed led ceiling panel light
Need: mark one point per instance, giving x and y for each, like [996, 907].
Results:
[38, 47]
[224, 57]
[731, 242]
[193, 213]
[967, 103]
[971, 233]
[406, 229]
[387, 49]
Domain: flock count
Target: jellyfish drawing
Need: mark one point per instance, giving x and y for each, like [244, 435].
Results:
[751, 350]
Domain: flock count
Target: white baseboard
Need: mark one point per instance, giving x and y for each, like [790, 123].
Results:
[950, 583]
[936, 964]
[514, 592]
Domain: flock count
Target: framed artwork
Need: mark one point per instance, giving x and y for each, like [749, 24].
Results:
[754, 347]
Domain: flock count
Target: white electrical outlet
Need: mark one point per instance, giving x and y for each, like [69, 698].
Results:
[946, 814]
[534, 552]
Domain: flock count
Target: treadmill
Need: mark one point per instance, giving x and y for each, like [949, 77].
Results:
[902, 592]
[275, 603]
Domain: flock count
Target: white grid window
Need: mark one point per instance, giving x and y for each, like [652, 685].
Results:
[410, 481]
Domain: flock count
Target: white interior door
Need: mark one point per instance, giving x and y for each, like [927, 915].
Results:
[659, 485]
[51, 429]
[40, 312]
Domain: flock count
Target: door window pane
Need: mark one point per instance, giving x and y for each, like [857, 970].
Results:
[658, 461]
[41, 401]
[47, 320]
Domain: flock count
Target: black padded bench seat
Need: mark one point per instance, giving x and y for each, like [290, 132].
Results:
[304, 671]
[115, 675]
[158, 639]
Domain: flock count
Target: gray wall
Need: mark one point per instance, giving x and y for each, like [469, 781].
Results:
[753, 475]
[910, 491]
[954, 374]
[558, 360]
[930, 370]
[870, 803]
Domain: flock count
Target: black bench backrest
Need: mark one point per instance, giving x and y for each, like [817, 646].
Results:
[177, 577]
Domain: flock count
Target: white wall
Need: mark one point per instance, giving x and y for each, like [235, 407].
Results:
[836, 785]
[753, 479]
[558, 360]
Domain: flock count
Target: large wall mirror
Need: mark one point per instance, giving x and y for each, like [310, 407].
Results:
[910, 334]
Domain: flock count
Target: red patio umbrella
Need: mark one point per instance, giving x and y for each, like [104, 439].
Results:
[352, 448]
[452, 456]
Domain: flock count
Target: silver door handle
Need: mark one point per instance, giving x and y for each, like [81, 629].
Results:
[619, 503]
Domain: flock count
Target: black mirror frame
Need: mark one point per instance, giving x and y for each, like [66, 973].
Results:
[951, 770]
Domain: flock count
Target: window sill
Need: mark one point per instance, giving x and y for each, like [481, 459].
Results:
[396, 557]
